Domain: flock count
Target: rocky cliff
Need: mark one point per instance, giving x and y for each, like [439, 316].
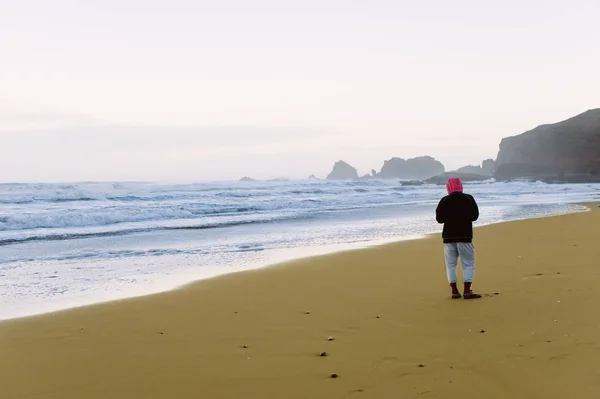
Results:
[487, 168]
[414, 168]
[342, 171]
[464, 177]
[567, 149]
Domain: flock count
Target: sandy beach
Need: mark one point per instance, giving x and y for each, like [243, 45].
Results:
[396, 333]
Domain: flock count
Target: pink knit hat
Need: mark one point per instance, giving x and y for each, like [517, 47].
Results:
[454, 185]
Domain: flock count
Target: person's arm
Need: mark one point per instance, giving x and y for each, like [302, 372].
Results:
[439, 212]
[474, 210]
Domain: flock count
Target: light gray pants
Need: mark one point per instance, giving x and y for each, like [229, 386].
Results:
[466, 252]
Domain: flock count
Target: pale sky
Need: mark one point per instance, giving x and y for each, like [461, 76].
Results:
[205, 90]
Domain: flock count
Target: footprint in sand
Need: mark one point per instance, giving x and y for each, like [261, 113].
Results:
[562, 356]
[540, 275]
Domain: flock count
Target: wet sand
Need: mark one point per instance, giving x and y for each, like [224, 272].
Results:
[396, 333]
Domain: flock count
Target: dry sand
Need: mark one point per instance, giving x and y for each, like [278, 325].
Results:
[539, 338]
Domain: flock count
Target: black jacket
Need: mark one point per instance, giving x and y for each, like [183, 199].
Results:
[457, 211]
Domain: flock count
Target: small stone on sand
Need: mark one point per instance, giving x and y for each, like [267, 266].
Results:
[482, 331]
[323, 354]
[334, 375]
[421, 365]
[245, 346]
[330, 339]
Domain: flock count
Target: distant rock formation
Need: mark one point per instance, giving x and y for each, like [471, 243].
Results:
[464, 177]
[246, 178]
[313, 177]
[414, 168]
[567, 151]
[487, 168]
[473, 169]
[342, 171]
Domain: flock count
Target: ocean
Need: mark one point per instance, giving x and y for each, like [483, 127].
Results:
[73, 244]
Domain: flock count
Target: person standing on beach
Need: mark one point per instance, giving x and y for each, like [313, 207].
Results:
[457, 211]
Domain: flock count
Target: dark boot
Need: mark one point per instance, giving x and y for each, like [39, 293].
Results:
[470, 294]
[455, 292]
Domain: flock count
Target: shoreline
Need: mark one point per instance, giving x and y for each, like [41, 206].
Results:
[286, 256]
[282, 260]
[395, 330]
